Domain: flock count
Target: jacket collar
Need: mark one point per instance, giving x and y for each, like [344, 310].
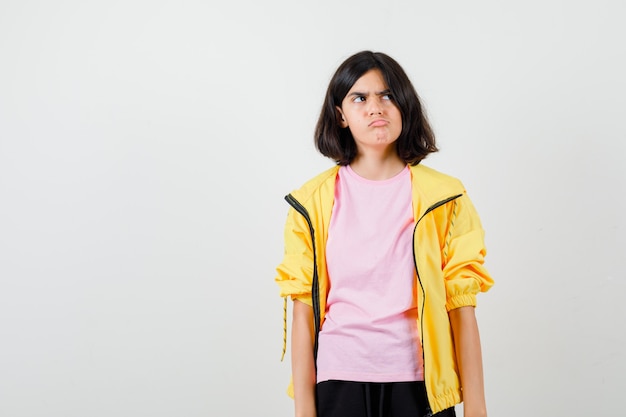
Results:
[429, 187]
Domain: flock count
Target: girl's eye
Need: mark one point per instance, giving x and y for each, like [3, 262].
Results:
[359, 99]
[387, 97]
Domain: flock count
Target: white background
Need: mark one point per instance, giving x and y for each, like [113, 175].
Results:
[146, 146]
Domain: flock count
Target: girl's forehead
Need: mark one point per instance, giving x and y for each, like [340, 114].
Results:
[371, 79]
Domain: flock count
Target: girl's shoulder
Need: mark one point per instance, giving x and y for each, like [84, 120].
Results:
[324, 181]
[431, 180]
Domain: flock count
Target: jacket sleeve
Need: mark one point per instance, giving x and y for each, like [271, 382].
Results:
[463, 255]
[295, 273]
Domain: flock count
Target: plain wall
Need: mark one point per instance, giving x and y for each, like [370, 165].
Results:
[146, 146]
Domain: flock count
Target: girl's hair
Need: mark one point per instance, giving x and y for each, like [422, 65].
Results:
[416, 140]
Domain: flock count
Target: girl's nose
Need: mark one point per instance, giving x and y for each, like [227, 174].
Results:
[375, 108]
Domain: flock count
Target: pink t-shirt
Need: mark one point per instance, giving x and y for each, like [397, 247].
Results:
[370, 330]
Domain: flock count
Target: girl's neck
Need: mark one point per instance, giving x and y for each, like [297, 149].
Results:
[377, 167]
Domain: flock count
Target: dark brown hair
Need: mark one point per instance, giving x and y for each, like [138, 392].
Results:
[416, 140]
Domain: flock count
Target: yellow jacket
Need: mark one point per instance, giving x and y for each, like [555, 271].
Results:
[448, 249]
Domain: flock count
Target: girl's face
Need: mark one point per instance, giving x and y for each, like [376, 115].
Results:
[370, 113]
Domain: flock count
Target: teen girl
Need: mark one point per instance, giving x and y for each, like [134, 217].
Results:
[383, 260]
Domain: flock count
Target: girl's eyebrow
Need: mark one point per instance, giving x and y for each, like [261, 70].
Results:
[378, 93]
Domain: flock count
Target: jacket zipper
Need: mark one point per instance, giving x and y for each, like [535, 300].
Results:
[315, 290]
[429, 412]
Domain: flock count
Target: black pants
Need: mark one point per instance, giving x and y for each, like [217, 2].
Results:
[369, 399]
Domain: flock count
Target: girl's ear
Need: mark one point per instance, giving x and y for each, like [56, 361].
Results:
[341, 118]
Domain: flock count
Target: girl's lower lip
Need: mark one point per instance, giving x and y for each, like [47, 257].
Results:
[378, 123]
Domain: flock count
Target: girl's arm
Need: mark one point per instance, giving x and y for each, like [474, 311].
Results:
[302, 362]
[469, 359]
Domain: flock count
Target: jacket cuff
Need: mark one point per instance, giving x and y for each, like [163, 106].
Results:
[304, 298]
[461, 300]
